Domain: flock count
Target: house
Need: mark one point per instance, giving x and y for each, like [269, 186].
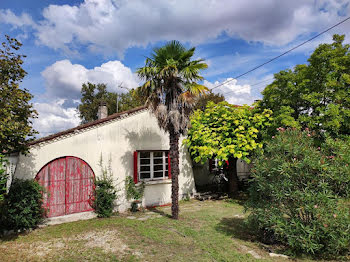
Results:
[128, 143]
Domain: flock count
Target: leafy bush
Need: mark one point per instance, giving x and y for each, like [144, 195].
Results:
[22, 208]
[3, 178]
[337, 153]
[295, 194]
[105, 195]
[105, 192]
[134, 192]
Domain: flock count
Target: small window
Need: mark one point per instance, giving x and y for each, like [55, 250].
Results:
[152, 165]
[213, 164]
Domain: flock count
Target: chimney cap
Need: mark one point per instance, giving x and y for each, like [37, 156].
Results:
[103, 103]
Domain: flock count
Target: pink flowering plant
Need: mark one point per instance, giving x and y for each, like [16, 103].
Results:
[298, 192]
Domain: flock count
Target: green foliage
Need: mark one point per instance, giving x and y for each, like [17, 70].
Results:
[105, 195]
[133, 192]
[130, 100]
[224, 130]
[171, 85]
[315, 95]
[337, 153]
[105, 192]
[204, 100]
[295, 194]
[22, 208]
[3, 177]
[93, 95]
[15, 110]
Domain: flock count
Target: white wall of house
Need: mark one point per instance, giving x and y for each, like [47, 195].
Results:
[115, 140]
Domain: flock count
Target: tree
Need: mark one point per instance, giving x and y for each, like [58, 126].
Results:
[210, 96]
[171, 89]
[132, 99]
[315, 95]
[93, 95]
[16, 113]
[226, 132]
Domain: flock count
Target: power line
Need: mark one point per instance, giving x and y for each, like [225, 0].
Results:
[250, 85]
[290, 50]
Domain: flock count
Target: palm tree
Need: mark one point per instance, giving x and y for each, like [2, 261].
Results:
[172, 91]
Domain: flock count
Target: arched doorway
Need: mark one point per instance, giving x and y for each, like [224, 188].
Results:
[69, 186]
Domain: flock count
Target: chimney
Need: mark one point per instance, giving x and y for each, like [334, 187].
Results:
[102, 110]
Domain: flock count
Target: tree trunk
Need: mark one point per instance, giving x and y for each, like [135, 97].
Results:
[174, 163]
[232, 177]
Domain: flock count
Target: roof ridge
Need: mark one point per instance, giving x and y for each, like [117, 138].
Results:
[86, 125]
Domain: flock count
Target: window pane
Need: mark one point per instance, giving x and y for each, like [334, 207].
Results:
[145, 154]
[157, 154]
[158, 161]
[145, 175]
[145, 168]
[166, 173]
[145, 161]
[158, 167]
[158, 174]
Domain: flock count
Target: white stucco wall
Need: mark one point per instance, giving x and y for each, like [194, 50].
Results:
[116, 140]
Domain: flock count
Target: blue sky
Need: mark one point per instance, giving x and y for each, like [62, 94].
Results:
[71, 42]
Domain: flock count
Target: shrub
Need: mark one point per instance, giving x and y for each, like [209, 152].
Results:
[105, 195]
[295, 195]
[3, 178]
[22, 208]
[337, 154]
[134, 192]
[105, 192]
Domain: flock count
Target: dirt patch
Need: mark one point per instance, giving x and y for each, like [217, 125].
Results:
[108, 241]
[43, 249]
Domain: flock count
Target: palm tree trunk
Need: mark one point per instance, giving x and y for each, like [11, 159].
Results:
[174, 163]
[232, 177]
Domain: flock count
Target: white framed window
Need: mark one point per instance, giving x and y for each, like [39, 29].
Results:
[152, 165]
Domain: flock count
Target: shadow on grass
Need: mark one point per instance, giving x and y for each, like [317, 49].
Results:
[235, 227]
[160, 212]
[12, 236]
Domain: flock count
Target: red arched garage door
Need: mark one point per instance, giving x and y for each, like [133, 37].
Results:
[69, 184]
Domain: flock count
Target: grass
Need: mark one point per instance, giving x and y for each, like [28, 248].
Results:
[206, 231]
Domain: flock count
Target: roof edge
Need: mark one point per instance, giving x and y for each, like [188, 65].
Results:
[83, 126]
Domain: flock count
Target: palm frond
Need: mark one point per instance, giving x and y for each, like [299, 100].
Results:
[197, 89]
[170, 84]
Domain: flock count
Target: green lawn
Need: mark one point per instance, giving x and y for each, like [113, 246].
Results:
[206, 231]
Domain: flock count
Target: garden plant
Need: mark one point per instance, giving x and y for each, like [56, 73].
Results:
[298, 194]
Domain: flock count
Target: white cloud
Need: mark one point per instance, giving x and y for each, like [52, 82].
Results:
[8, 17]
[54, 118]
[64, 79]
[115, 25]
[63, 82]
[234, 94]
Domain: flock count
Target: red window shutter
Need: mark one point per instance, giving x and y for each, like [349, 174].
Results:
[169, 166]
[227, 164]
[210, 165]
[135, 168]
